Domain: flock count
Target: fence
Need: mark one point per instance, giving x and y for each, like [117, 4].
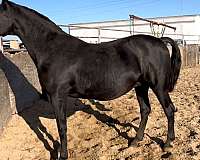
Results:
[19, 85]
[190, 55]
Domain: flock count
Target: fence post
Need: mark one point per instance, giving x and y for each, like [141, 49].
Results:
[99, 35]
[185, 50]
[1, 44]
[131, 27]
[198, 49]
[69, 30]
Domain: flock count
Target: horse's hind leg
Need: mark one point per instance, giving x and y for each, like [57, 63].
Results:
[169, 109]
[145, 109]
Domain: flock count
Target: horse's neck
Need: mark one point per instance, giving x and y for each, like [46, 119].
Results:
[38, 34]
[35, 36]
[37, 41]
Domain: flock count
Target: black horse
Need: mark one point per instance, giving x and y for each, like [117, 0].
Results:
[68, 67]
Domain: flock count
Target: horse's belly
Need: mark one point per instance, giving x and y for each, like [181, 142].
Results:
[108, 90]
[117, 92]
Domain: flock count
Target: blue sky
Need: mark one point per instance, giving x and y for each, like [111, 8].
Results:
[77, 11]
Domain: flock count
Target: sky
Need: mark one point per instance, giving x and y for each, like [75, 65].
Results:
[82, 11]
[64, 12]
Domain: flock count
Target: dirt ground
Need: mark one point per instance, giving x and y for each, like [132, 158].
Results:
[101, 131]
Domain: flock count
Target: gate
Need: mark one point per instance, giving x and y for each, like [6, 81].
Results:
[190, 55]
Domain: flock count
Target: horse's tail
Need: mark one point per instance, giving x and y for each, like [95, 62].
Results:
[175, 64]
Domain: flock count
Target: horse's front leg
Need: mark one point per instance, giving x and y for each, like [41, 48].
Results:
[59, 104]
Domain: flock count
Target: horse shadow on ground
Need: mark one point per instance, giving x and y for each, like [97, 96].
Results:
[30, 107]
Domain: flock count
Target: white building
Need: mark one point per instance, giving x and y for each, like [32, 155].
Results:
[187, 29]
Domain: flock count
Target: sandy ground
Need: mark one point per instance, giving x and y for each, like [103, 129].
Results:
[101, 131]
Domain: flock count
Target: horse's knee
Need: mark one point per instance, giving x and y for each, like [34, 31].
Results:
[169, 111]
[145, 111]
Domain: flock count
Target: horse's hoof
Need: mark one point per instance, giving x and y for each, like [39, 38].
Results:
[133, 142]
[167, 147]
[62, 158]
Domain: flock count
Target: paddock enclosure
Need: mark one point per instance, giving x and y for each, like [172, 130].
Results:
[97, 131]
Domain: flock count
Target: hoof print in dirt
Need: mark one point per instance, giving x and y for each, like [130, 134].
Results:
[193, 134]
[191, 152]
[198, 146]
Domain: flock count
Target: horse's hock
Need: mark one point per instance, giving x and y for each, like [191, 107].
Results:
[19, 85]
